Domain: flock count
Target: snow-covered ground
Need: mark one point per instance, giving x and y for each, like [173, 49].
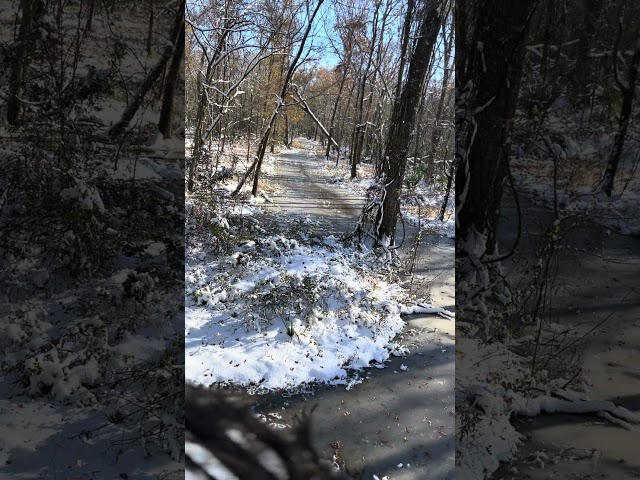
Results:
[277, 313]
[494, 378]
[279, 305]
[91, 339]
[420, 205]
[581, 153]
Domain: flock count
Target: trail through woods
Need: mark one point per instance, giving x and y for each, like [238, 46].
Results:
[596, 279]
[400, 421]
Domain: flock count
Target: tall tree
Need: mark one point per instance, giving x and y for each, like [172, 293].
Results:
[489, 54]
[583, 74]
[32, 12]
[430, 17]
[166, 113]
[257, 163]
[152, 77]
[627, 87]
[359, 128]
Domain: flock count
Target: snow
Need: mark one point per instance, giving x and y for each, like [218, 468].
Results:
[254, 333]
[488, 401]
[91, 369]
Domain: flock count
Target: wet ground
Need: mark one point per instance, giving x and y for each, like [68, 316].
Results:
[597, 293]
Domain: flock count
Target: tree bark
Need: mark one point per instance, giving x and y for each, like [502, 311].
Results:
[436, 134]
[150, 29]
[335, 107]
[489, 70]
[628, 89]
[166, 113]
[32, 11]
[92, 8]
[401, 126]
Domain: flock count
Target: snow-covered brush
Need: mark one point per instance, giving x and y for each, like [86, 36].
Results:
[225, 440]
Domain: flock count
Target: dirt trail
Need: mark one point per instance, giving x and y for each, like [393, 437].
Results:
[597, 280]
[304, 190]
[394, 417]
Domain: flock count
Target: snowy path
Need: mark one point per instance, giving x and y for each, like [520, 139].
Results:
[395, 416]
[594, 283]
[303, 190]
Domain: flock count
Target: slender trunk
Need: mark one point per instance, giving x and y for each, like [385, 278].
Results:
[335, 108]
[92, 7]
[150, 29]
[544, 65]
[346, 110]
[627, 89]
[117, 129]
[406, 30]
[305, 106]
[32, 11]
[584, 75]
[359, 130]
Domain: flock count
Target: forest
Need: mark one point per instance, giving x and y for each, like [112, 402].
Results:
[546, 238]
[331, 239]
[319, 226]
[91, 239]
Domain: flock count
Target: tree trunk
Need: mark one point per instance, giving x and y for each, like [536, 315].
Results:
[628, 90]
[584, 74]
[257, 163]
[166, 113]
[403, 119]
[92, 7]
[32, 11]
[117, 129]
[544, 64]
[406, 30]
[305, 106]
[360, 126]
[335, 108]
[436, 134]
[150, 29]
[489, 70]
[346, 110]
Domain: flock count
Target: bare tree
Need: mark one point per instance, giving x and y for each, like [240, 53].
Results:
[583, 75]
[32, 12]
[627, 89]
[152, 77]
[402, 124]
[166, 113]
[257, 163]
[218, 39]
[361, 124]
[489, 68]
